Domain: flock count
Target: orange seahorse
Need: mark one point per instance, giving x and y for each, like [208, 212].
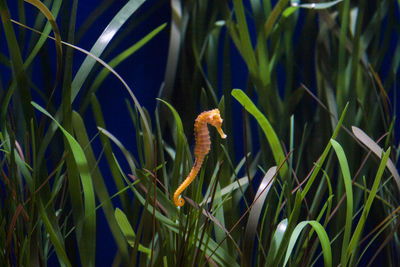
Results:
[202, 147]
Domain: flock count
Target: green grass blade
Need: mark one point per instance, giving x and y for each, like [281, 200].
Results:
[276, 241]
[46, 31]
[349, 197]
[128, 232]
[55, 236]
[374, 147]
[245, 45]
[112, 28]
[221, 256]
[98, 182]
[98, 115]
[18, 71]
[254, 215]
[47, 13]
[293, 219]
[360, 225]
[181, 145]
[126, 153]
[229, 189]
[323, 238]
[86, 242]
[324, 155]
[120, 58]
[272, 18]
[266, 126]
[23, 166]
[176, 37]
[341, 88]
[94, 16]
[116, 23]
[147, 140]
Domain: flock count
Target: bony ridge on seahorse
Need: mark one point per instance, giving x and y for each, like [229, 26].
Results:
[202, 147]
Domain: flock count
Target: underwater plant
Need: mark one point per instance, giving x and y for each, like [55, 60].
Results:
[308, 93]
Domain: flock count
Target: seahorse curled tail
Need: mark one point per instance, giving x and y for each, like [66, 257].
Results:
[179, 201]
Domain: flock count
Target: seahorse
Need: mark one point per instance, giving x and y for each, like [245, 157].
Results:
[202, 147]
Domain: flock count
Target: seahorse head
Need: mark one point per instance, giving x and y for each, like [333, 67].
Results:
[216, 121]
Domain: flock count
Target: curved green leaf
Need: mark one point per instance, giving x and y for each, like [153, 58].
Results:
[126, 153]
[55, 236]
[363, 218]
[109, 32]
[349, 197]
[181, 142]
[276, 241]
[266, 126]
[87, 240]
[98, 182]
[47, 13]
[128, 232]
[120, 58]
[323, 238]
[255, 212]
[374, 147]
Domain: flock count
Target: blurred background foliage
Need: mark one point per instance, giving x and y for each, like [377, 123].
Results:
[97, 109]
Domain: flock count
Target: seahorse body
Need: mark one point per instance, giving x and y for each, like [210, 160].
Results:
[202, 147]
